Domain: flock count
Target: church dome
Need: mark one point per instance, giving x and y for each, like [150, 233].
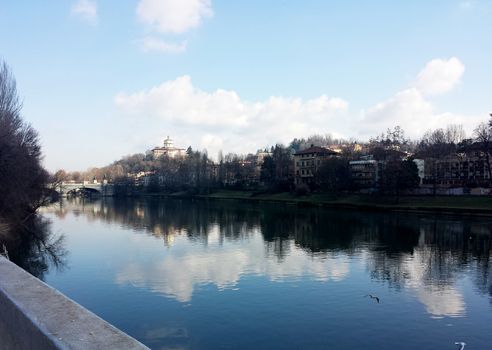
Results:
[168, 143]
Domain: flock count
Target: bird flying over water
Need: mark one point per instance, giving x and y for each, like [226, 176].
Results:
[372, 297]
[460, 344]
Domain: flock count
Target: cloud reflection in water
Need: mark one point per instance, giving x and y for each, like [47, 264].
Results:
[178, 274]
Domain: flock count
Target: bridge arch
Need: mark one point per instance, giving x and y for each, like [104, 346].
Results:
[83, 191]
[67, 188]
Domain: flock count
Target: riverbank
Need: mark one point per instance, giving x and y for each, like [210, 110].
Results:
[464, 205]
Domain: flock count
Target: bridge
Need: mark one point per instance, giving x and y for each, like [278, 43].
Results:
[103, 189]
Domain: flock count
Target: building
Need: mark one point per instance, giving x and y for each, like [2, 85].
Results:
[259, 158]
[459, 170]
[365, 173]
[168, 150]
[307, 162]
[420, 163]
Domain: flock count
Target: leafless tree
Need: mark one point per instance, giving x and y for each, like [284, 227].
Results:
[455, 133]
[22, 178]
[483, 138]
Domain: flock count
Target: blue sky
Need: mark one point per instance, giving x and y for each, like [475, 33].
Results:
[102, 79]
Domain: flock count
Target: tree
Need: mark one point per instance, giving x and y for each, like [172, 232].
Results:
[267, 174]
[333, 175]
[398, 175]
[315, 140]
[277, 169]
[438, 144]
[393, 140]
[483, 138]
[22, 178]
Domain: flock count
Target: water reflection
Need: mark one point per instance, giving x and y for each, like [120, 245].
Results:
[424, 255]
[32, 245]
[178, 274]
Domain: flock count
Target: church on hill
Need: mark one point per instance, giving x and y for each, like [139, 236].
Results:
[168, 150]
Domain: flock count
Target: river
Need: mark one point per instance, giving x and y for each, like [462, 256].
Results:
[197, 274]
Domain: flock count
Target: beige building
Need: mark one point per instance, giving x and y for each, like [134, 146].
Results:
[168, 150]
[307, 162]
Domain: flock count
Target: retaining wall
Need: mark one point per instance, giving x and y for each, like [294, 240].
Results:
[35, 316]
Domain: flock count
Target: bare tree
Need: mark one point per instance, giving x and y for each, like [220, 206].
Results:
[22, 178]
[483, 138]
[455, 134]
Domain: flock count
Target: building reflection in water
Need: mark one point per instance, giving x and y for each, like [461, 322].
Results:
[423, 254]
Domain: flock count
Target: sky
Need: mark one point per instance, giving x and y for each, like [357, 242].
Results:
[101, 79]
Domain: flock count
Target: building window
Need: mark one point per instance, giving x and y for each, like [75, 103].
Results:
[302, 171]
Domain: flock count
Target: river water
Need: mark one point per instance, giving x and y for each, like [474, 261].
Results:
[196, 274]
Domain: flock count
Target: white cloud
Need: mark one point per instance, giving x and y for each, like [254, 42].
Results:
[151, 43]
[86, 10]
[407, 108]
[223, 119]
[173, 16]
[440, 76]
[412, 110]
[210, 141]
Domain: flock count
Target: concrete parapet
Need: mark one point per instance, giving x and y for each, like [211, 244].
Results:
[34, 316]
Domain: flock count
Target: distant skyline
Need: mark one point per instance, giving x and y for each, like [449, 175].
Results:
[103, 79]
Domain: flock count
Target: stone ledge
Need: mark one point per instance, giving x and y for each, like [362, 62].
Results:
[34, 315]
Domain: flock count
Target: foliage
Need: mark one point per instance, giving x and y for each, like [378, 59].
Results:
[483, 139]
[397, 176]
[301, 190]
[196, 173]
[315, 140]
[393, 139]
[333, 176]
[277, 170]
[441, 142]
[123, 186]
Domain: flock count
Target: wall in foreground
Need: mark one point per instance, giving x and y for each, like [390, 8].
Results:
[35, 316]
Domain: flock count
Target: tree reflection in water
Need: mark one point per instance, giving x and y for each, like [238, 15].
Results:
[425, 252]
[33, 246]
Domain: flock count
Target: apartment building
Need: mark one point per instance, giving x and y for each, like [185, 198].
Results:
[307, 162]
